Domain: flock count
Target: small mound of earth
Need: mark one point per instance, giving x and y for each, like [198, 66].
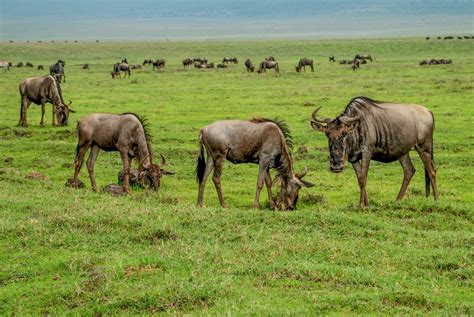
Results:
[114, 190]
[74, 184]
[36, 175]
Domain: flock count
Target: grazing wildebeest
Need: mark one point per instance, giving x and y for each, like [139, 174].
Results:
[159, 63]
[119, 68]
[270, 58]
[427, 38]
[361, 56]
[232, 60]
[58, 70]
[126, 133]
[355, 64]
[136, 66]
[204, 65]
[40, 67]
[187, 62]
[260, 141]
[41, 90]
[249, 66]
[28, 64]
[221, 66]
[303, 63]
[6, 65]
[200, 60]
[147, 61]
[385, 132]
[268, 64]
[332, 58]
[20, 64]
[85, 66]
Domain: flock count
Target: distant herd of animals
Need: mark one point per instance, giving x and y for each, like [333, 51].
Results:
[366, 130]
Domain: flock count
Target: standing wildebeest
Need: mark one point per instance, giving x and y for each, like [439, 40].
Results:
[361, 56]
[187, 62]
[355, 64]
[249, 66]
[159, 63]
[58, 70]
[20, 64]
[41, 90]
[332, 58]
[260, 141]
[303, 63]
[119, 68]
[381, 131]
[125, 133]
[28, 64]
[6, 65]
[200, 60]
[85, 66]
[232, 60]
[268, 64]
[40, 67]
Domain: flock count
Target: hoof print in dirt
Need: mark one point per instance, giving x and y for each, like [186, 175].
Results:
[114, 190]
[75, 184]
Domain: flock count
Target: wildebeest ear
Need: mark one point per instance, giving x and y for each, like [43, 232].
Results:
[318, 126]
[163, 172]
[306, 184]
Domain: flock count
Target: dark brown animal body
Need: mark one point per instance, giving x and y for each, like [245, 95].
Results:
[268, 64]
[385, 132]
[28, 64]
[85, 66]
[136, 66]
[221, 66]
[332, 58]
[232, 60]
[125, 133]
[259, 141]
[364, 57]
[40, 67]
[159, 63]
[355, 64]
[249, 66]
[40, 90]
[120, 68]
[303, 63]
[187, 62]
[57, 70]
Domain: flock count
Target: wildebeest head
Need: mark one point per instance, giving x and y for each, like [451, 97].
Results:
[336, 131]
[298, 68]
[151, 174]
[289, 191]
[62, 113]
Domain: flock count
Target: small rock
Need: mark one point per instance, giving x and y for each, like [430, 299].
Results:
[36, 175]
[303, 149]
[8, 159]
[77, 184]
[113, 189]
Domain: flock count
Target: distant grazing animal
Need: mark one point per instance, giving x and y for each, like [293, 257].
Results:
[232, 60]
[260, 141]
[6, 65]
[85, 66]
[187, 62]
[303, 63]
[120, 68]
[159, 63]
[126, 133]
[200, 60]
[355, 64]
[361, 56]
[221, 66]
[58, 69]
[28, 64]
[203, 65]
[434, 61]
[41, 90]
[385, 132]
[136, 66]
[20, 64]
[40, 67]
[427, 38]
[147, 61]
[268, 64]
[332, 58]
[448, 37]
[344, 62]
[249, 66]
[270, 58]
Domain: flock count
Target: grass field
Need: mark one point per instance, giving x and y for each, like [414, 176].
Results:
[80, 252]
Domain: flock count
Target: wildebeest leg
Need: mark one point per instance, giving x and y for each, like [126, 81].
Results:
[312, 67]
[126, 169]
[43, 110]
[90, 165]
[426, 154]
[25, 104]
[408, 171]
[54, 115]
[81, 152]
[207, 171]
[268, 183]
[218, 166]
[362, 168]
[262, 170]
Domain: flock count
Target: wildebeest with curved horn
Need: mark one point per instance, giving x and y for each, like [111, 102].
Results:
[381, 131]
[41, 90]
[57, 69]
[126, 133]
[119, 68]
[303, 63]
[260, 141]
[249, 65]
[268, 64]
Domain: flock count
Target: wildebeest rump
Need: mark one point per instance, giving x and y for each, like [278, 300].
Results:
[303, 63]
[120, 68]
[260, 141]
[385, 132]
[41, 90]
[249, 66]
[126, 133]
[57, 69]
[268, 64]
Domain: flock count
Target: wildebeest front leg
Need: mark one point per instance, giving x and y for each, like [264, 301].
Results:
[408, 171]
[268, 183]
[90, 165]
[207, 171]
[262, 170]
[126, 169]
[218, 166]
[362, 168]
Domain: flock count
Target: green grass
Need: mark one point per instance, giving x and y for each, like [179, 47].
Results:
[83, 253]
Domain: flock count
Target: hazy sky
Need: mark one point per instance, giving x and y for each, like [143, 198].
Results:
[207, 19]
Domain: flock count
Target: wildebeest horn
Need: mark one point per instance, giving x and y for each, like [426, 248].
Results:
[324, 120]
[303, 173]
[163, 161]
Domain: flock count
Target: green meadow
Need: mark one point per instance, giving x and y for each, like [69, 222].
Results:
[77, 252]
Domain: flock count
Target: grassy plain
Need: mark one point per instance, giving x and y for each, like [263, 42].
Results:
[80, 252]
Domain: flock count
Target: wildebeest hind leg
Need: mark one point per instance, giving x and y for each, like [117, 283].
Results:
[90, 165]
[81, 152]
[207, 171]
[408, 171]
[426, 154]
[218, 166]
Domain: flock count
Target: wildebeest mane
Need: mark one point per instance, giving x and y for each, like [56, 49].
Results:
[283, 128]
[146, 129]
[359, 104]
[57, 97]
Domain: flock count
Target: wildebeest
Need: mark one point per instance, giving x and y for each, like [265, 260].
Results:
[58, 70]
[355, 64]
[249, 65]
[332, 58]
[361, 56]
[385, 132]
[119, 68]
[303, 63]
[40, 67]
[200, 60]
[268, 64]
[203, 65]
[232, 60]
[260, 141]
[187, 62]
[126, 133]
[147, 61]
[41, 90]
[427, 38]
[20, 64]
[6, 65]
[159, 63]
[28, 64]
[85, 66]
[434, 61]
[344, 62]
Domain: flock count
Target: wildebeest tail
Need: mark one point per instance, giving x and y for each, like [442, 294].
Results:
[427, 175]
[201, 161]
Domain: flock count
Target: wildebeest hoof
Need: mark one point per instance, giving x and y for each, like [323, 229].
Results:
[114, 190]
[74, 183]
